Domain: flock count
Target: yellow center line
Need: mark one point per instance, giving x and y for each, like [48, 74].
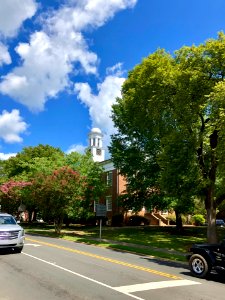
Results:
[106, 259]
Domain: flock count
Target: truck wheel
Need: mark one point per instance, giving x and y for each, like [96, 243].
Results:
[199, 266]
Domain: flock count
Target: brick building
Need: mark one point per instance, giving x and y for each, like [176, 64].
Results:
[116, 184]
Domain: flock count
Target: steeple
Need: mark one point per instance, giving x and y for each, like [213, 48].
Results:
[95, 144]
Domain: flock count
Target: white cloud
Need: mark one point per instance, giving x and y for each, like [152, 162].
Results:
[4, 156]
[86, 14]
[77, 148]
[13, 13]
[43, 74]
[4, 55]
[115, 70]
[52, 54]
[11, 126]
[100, 105]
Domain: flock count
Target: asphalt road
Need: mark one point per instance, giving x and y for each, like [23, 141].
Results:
[57, 269]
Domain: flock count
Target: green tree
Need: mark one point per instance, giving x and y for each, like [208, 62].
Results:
[41, 162]
[32, 159]
[92, 171]
[171, 128]
[24, 167]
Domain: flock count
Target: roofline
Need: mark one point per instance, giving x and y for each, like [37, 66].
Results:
[105, 161]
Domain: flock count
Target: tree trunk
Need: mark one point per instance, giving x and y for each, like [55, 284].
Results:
[211, 229]
[30, 216]
[210, 201]
[34, 219]
[58, 224]
[209, 176]
[210, 205]
[179, 225]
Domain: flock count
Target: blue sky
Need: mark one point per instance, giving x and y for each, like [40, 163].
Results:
[62, 63]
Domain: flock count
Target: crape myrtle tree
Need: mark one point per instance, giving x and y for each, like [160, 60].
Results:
[69, 191]
[11, 195]
[24, 167]
[171, 129]
[59, 193]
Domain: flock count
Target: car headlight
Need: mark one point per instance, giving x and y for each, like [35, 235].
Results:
[22, 232]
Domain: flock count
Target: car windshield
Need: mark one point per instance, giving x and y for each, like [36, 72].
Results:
[7, 220]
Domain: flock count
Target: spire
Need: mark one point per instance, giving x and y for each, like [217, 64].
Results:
[96, 145]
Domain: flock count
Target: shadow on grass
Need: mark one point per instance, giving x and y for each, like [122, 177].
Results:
[162, 242]
[157, 257]
[114, 245]
[161, 256]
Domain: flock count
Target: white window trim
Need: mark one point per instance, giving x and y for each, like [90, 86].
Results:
[108, 200]
[109, 178]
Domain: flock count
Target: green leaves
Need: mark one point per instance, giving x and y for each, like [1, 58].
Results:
[31, 160]
[170, 123]
[59, 184]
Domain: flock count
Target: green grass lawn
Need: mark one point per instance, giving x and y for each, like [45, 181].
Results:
[162, 242]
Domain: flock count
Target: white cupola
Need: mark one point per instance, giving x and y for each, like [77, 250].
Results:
[95, 144]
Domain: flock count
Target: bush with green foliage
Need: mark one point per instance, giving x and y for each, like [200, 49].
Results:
[172, 219]
[117, 220]
[137, 221]
[198, 220]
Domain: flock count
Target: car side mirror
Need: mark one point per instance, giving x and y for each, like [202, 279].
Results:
[18, 222]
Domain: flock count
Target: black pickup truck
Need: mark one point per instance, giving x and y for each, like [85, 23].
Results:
[207, 257]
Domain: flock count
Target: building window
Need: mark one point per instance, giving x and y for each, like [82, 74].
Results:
[109, 203]
[109, 178]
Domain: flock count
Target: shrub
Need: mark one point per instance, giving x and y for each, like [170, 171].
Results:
[172, 219]
[198, 220]
[137, 220]
[90, 221]
[117, 220]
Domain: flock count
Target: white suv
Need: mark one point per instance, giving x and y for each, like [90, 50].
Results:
[11, 234]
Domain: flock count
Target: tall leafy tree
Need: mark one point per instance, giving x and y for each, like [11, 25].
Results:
[171, 128]
[32, 159]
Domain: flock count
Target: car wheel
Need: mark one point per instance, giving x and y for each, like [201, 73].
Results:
[199, 266]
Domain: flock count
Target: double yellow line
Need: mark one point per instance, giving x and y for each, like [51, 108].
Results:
[106, 259]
